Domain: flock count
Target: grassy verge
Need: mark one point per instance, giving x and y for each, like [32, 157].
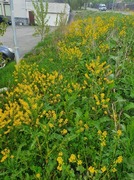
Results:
[6, 75]
[69, 113]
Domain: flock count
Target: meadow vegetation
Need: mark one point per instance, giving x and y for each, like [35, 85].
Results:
[69, 110]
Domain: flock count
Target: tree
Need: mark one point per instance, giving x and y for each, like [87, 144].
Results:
[128, 1]
[40, 13]
[77, 4]
[3, 27]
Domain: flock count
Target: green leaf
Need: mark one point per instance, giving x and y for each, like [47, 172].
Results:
[80, 168]
[129, 106]
[132, 94]
[6, 178]
[78, 113]
[127, 116]
[130, 176]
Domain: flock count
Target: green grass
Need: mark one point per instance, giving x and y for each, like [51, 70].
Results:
[6, 75]
[68, 113]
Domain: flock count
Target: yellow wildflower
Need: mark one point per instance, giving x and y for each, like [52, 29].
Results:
[85, 82]
[105, 112]
[93, 108]
[60, 120]
[108, 99]
[104, 134]
[102, 95]
[64, 131]
[51, 125]
[5, 152]
[86, 126]
[103, 169]
[99, 132]
[85, 138]
[60, 160]
[60, 154]
[98, 102]
[3, 158]
[59, 168]
[66, 121]
[80, 122]
[81, 129]
[91, 170]
[114, 170]
[105, 106]
[79, 162]
[61, 113]
[54, 116]
[72, 158]
[12, 156]
[103, 143]
[86, 75]
[96, 97]
[119, 159]
[38, 175]
[6, 132]
[119, 132]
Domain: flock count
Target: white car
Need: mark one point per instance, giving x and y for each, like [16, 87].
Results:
[102, 7]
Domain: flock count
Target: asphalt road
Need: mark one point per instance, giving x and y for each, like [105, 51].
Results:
[25, 39]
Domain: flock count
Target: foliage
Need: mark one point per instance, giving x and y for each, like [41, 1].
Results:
[3, 27]
[61, 19]
[69, 114]
[6, 75]
[40, 12]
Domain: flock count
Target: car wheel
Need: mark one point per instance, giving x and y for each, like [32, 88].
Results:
[3, 62]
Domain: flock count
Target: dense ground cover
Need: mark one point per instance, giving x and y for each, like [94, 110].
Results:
[69, 111]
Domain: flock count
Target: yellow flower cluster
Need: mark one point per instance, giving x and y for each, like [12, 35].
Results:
[81, 126]
[54, 98]
[103, 47]
[72, 53]
[51, 114]
[38, 176]
[102, 136]
[119, 133]
[5, 154]
[62, 122]
[87, 36]
[64, 131]
[92, 170]
[24, 100]
[122, 33]
[71, 87]
[97, 80]
[99, 68]
[74, 29]
[103, 169]
[71, 50]
[74, 159]
[119, 160]
[102, 102]
[60, 161]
